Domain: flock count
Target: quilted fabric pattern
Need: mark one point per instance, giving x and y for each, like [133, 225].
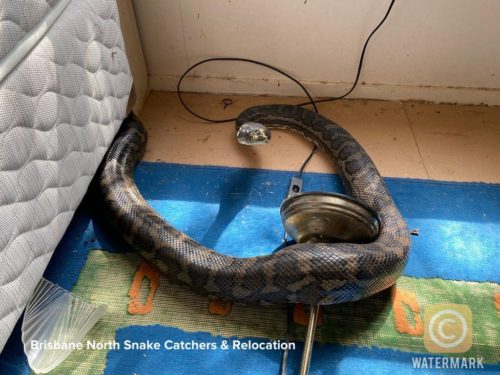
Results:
[60, 109]
[19, 17]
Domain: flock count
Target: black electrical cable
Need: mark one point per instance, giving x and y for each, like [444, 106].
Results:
[311, 100]
[356, 80]
[360, 64]
[240, 59]
[306, 161]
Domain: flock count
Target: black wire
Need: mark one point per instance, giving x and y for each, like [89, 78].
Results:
[306, 161]
[356, 80]
[311, 100]
[360, 64]
[179, 92]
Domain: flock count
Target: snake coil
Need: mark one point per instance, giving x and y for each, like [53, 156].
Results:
[311, 273]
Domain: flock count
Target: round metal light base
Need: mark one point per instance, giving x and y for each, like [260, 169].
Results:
[328, 217]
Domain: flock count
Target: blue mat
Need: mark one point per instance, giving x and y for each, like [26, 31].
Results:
[229, 208]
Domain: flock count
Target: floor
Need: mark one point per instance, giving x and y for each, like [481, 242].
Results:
[405, 139]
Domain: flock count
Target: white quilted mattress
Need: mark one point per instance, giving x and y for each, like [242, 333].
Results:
[64, 86]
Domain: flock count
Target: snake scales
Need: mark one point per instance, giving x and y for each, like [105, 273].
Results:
[311, 273]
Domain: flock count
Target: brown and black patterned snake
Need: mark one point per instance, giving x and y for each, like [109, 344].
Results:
[310, 273]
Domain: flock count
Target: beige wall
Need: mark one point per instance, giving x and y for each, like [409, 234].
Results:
[438, 50]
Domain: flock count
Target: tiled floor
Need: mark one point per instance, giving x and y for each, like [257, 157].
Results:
[410, 139]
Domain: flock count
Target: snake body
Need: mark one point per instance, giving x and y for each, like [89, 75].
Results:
[311, 273]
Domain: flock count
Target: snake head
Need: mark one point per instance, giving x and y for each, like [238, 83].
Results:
[253, 133]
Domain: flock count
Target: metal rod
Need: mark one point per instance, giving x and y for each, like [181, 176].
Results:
[289, 321]
[309, 341]
[284, 360]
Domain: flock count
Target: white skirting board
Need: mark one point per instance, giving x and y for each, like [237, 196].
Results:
[284, 87]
